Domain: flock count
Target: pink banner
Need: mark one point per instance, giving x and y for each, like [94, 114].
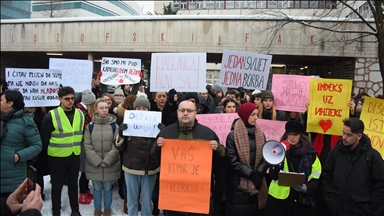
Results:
[291, 92]
[220, 123]
[273, 130]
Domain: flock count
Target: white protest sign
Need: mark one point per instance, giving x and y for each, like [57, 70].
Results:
[142, 123]
[244, 69]
[185, 72]
[118, 71]
[76, 73]
[38, 86]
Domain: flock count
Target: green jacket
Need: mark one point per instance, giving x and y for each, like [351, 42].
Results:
[22, 137]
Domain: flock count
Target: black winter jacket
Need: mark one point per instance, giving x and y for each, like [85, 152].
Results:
[238, 201]
[353, 180]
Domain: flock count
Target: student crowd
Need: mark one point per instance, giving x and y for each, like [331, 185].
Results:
[82, 140]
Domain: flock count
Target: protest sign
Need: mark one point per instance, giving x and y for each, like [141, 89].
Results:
[372, 114]
[75, 73]
[291, 92]
[244, 69]
[273, 130]
[38, 86]
[328, 105]
[185, 177]
[141, 123]
[118, 71]
[184, 72]
[220, 123]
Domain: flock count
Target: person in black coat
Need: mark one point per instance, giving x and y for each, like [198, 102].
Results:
[353, 174]
[245, 189]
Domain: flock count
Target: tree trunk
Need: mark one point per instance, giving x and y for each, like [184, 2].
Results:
[379, 20]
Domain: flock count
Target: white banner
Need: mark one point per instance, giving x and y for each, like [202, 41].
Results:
[184, 72]
[76, 73]
[38, 86]
[244, 69]
[142, 123]
[119, 71]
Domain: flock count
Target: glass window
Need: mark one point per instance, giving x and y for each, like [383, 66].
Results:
[252, 4]
[240, 4]
[272, 4]
[199, 4]
[314, 3]
[261, 4]
[230, 4]
[304, 4]
[219, 4]
[210, 4]
[282, 4]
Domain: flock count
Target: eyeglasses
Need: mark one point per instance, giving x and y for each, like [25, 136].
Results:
[69, 98]
[186, 110]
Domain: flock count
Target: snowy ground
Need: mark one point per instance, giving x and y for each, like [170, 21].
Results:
[85, 210]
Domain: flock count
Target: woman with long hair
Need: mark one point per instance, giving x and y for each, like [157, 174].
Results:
[299, 199]
[229, 106]
[111, 102]
[293, 116]
[267, 109]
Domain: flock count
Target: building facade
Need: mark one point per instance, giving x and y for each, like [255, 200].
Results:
[16, 9]
[57, 9]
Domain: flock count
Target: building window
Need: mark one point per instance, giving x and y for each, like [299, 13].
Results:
[176, 5]
[230, 4]
[195, 4]
[239, 4]
[321, 4]
[210, 4]
[219, 4]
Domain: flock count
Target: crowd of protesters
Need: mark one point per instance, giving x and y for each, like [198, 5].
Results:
[81, 142]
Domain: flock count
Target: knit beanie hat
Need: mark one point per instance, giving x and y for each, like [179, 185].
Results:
[216, 88]
[245, 111]
[193, 95]
[267, 94]
[141, 101]
[87, 97]
[118, 91]
[295, 127]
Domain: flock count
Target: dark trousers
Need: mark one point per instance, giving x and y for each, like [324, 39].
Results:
[83, 183]
[64, 168]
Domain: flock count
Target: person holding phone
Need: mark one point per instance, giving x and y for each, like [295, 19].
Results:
[14, 205]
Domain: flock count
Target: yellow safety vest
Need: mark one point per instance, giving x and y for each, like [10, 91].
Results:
[66, 138]
[282, 192]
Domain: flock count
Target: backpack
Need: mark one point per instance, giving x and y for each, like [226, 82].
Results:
[90, 126]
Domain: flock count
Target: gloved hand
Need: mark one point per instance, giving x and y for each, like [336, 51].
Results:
[121, 128]
[300, 188]
[256, 178]
[161, 126]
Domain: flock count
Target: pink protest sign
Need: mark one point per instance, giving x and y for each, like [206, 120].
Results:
[220, 123]
[291, 92]
[273, 130]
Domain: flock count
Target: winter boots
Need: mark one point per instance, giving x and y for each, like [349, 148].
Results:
[125, 205]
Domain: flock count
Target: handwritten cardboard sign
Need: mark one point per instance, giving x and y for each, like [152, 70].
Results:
[291, 92]
[76, 73]
[185, 72]
[329, 105]
[38, 86]
[185, 176]
[141, 123]
[118, 71]
[273, 130]
[220, 123]
[372, 114]
[249, 70]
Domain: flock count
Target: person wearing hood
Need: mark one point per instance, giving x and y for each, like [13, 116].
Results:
[353, 174]
[103, 160]
[202, 105]
[20, 141]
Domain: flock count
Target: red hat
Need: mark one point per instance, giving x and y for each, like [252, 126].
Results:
[245, 111]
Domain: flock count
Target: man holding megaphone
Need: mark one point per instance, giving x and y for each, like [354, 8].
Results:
[300, 157]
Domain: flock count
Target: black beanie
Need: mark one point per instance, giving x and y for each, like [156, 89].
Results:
[193, 95]
[267, 94]
[295, 127]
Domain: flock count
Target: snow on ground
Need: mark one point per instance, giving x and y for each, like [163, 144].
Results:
[85, 210]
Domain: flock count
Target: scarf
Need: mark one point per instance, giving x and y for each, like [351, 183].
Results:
[318, 142]
[242, 146]
[5, 116]
[267, 114]
[305, 167]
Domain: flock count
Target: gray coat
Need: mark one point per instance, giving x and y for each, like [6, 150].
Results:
[99, 147]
